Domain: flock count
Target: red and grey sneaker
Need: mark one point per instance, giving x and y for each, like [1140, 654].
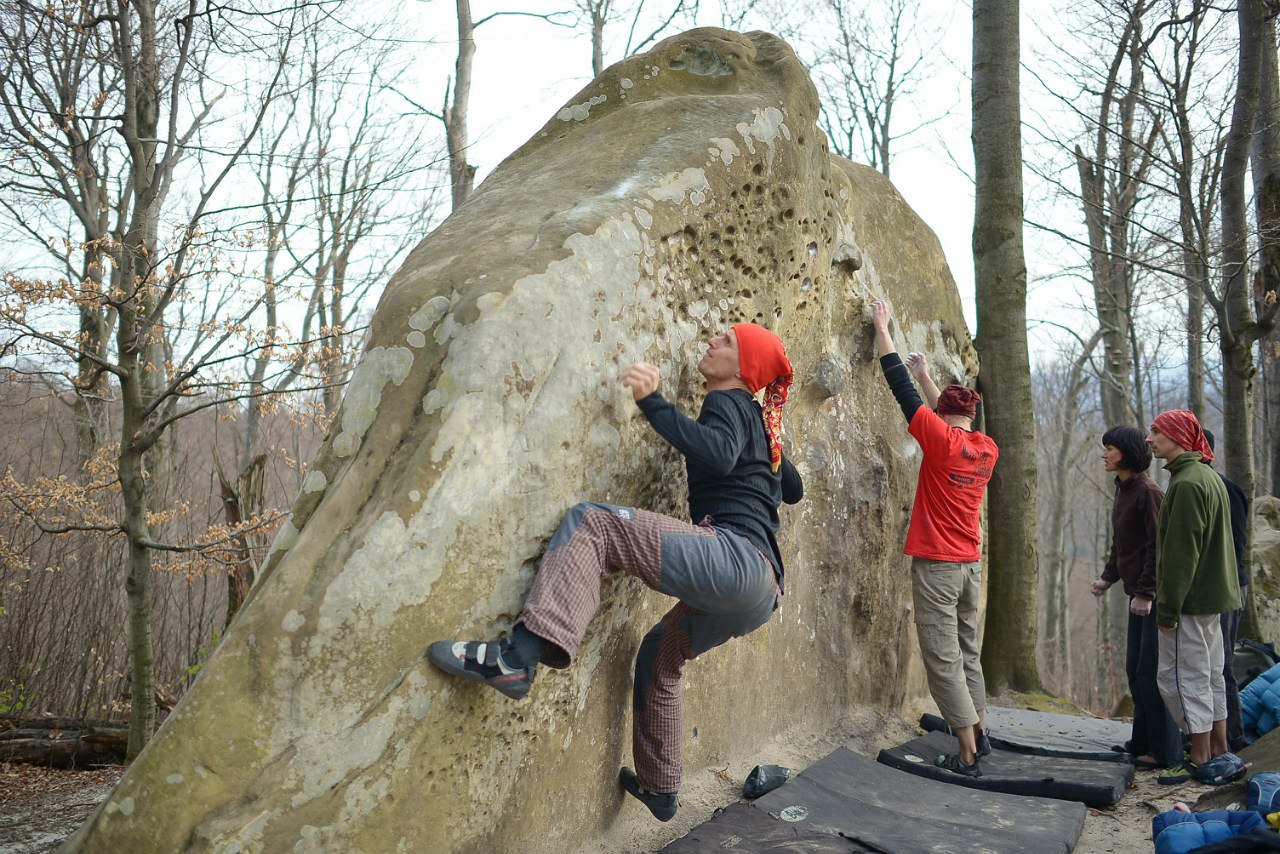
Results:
[482, 661]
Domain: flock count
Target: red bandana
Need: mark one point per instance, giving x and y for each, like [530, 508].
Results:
[763, 364]
[1181, 426]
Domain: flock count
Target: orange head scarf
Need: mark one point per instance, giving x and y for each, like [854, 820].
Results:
[1182, 426]
[763, 364]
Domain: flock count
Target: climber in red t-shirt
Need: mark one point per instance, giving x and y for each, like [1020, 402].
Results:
[945, 540]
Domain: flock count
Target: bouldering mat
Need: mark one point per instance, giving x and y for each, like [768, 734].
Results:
[1098, 784]
[849, 796]
[1048, 734]
[744, 828]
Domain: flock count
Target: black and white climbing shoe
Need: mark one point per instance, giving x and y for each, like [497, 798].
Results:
[663, 805]
[953, 763]
[482, 661]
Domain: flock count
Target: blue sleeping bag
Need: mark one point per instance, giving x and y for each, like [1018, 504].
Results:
[1177, 832]
[1260, 702]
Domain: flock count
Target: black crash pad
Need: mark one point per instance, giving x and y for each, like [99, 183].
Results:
[746, 829]
[1098, 784]
[1048, 734]
[848, 796]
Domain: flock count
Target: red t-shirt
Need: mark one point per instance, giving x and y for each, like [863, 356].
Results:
[953, 477]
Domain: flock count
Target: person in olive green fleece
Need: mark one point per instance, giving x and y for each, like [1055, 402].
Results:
[1195, 583]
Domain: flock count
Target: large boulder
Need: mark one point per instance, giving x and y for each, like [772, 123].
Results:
[1265, 577]
[681, 191]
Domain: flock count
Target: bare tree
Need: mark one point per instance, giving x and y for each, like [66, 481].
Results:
[1063, 419]
[158, 102]
[1000, 272]
[1191, 115]
[1111, 175]
[867, 60]
[1265, 165]
[344, 196]
[1245, 313]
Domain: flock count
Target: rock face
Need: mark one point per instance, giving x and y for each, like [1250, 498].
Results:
[1266, 566]
[681, 191]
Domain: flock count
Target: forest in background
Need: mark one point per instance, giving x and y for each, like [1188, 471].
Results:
[203, 203]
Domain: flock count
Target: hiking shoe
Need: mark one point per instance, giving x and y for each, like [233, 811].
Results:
[1220, 770]
[663, 805]
[1179, 773]
[482, 662]
[953, 763]
[984, 745]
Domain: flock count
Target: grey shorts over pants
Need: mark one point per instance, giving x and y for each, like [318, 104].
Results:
[945, 595]
[725, 586]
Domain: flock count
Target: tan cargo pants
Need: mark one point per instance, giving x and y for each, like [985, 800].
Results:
[945, 595]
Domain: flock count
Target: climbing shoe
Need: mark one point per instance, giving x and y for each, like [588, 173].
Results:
[952, 762]
[984, 745]
[1179, 773]
[483, 661]
[1219, 770]
[663, 805]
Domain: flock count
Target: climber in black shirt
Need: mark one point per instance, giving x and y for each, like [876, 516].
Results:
[726, 570]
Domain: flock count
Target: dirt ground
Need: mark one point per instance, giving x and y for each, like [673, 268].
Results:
[39, 807]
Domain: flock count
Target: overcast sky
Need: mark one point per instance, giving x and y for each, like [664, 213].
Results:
[526, 69]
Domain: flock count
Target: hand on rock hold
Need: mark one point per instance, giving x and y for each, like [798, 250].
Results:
[642, 379]
[880, 314]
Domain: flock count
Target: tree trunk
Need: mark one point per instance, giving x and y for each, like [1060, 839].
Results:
[135, 344]
[462, 174]
[1237, 327]
[1197, 280]
[1009, 648]
[241, 501]
[1266, 183]
[597, 39]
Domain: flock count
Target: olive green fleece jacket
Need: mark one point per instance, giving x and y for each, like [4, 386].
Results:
[1195, 559]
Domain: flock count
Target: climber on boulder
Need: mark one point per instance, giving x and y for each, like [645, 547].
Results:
[726, 569]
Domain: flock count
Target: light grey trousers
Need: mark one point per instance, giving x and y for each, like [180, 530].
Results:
[1190, 672]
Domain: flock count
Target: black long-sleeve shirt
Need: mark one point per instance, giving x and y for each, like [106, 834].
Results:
[726, 454]
[1239, 504]
[899, 379]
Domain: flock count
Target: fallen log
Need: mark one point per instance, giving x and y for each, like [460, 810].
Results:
[50, 742]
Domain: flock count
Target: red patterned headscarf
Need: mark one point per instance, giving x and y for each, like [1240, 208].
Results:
[763, 364]
[958, 400]
[1182, 426]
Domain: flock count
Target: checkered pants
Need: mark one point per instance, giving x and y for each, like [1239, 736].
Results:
[725, 586]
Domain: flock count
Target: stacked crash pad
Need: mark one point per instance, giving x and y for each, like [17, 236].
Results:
[1098, 784]
[848, 803]
[1048, 734]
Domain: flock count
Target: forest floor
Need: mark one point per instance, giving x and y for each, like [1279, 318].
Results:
[41, 807]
